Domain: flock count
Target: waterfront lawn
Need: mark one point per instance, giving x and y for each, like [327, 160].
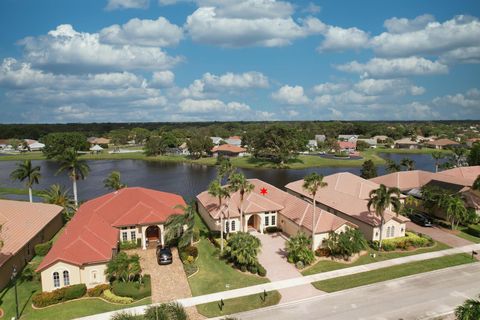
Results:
[329, 265]
[410, 151]
[369, 277]
[216, 275]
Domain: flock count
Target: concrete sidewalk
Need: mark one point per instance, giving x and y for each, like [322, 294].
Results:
[299, 281]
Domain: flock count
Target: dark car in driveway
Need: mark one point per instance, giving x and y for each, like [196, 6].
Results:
[164, 255]
[421, 219]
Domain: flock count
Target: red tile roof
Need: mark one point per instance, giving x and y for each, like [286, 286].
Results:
[442, 142]
[468, 174]
[347, 144]
[93, 232]
[228, 148]
[407, 180]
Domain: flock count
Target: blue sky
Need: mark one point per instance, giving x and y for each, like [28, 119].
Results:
[200, 60]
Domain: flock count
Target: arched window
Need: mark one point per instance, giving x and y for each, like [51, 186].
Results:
[66, 278]
[56, 280]
[388, 232]
[392, 231]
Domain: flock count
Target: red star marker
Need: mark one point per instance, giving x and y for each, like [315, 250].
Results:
[263, 191]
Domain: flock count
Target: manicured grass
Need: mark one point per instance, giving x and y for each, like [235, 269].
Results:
[467, 236]
[239, 304]
[410, 151]
[369, 277]
[328, 265]
[18, 191]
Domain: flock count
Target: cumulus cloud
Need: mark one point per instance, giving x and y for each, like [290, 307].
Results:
[211, 105]
[388, 87]
[312, 8]
[163, 78]
[339, 39]
[154, 33]
[329, 87]
[470, 99]
[127, 4]
[291, 95]
[65, 49]
[402, 25]
[399, 67]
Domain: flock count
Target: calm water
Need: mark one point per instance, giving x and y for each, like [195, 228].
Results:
[187, 180]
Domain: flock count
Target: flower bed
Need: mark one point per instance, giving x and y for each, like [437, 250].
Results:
[409, 242]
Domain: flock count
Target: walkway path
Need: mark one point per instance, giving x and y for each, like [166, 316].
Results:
[274, 258]
[439, 234]
[295, 282]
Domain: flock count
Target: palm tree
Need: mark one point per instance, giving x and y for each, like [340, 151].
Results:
[238, 182]
[170, 311]
[311, 184]
[408, 163]
[26, 172]
[381, 199]
[184, 222]
[59, 196]
[437, 156]
[391, 166]
[215, 189]
[225, 169]
[77, 169]
[454, 208]
[113, 181]
[469, 310]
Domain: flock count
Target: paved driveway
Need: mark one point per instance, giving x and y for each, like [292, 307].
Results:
[439, 234]
[273, 258]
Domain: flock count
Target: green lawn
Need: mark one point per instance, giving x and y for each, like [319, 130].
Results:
[467, 236]
[16, 191]
[369, 277]
[328, 265]
[410, 151]
[215, 275]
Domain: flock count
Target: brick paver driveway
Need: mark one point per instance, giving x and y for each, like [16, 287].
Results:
[273, 258]
[439, 234]
[169, 282]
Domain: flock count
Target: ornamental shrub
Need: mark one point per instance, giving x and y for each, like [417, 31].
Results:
[110, 296]
[298, 249]
[191, 251]
[474, 230]
[273, 229]
[124, 316]
[44, 299]
[299, 265]
[42, 249]
[75, 291]
[127, 245]
[166, 311]
[262, 272]
[134, 290]
[345, 243]
[97, 290]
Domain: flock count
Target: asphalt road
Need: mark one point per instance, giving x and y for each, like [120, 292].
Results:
[420, 296]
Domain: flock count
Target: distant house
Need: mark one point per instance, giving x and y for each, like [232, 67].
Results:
[347, 137]
[228, 150]
[216, 140]
[234, 140]
[320, 137]
[471, 141]
[180, 150]
[99, 141]
[406, 143]
[24, 225]
[347, 146]
[442, 144]
[3, 144]
[34, 145]
[380, 139]
[312, 145]
[371, 142]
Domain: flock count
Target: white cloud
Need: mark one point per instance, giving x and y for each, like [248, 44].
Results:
[329, 87]
[402, 25]
[163, 78]
[249, 9]
[251, 79]
[291, 95]
[66, 49]
[400, 67]
[312, 8]
[416, 111]
[388, 87]
[211, 105]
[339, 39]
[470, 99]
[154, 33]
[462, 55]
[127, 4]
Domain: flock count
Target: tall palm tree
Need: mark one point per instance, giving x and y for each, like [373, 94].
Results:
[408, 163]
[381, 199]
[113, 181]
[312, 183]
[77, 169]
[59, 196]
[215, 189]
[238, 182]
[28, 173]
[225, 169]
[437, 156]
[454, 208]
[469, 310]
[184, 222]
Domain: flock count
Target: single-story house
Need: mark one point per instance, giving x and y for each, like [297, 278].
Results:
[346, 196]
[471, 141]
[34, 145]
[371, 142]
[3, 143]
[92, 237]
[347, 137]
[268, 206]
[228, 150]
[180, 150]
[99, 141]
[24, 225]
[442, 144]
[347, 146]
[320, 137]
[406, 143]
[380, 139]
[96, 148]
[216, 140]
[234, 140]
[312, 145]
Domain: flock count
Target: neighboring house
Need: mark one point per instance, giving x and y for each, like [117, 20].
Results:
[470, 141]
[180, 150]
[380, 139]
[312, 145]
[228, 150]
[270, 208]
[346, 196]
[406, 143]
[347, 137]
[99, 141]
[34, 145]
[320, 138]
[24, 225]
[468, 174]
[442, 144]
[371, 142]
[347, 146]
[235, 141]
[3, 144]
[216, 140]
[91, 238]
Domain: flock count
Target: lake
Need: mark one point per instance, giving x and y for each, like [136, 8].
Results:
[185, 179]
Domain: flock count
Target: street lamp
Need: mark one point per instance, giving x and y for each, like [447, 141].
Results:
[14, 279]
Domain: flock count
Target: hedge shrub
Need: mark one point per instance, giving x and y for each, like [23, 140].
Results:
[262, 272]
[191, 251]
[127, 245]
[44, 299]
[474, 230]
[97, 290]
[110, 296]
[272, 229]
[42, 249]
[410, 240]
[133, 290]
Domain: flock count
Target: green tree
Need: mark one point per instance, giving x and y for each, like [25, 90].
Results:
[154, 146]
[166, 311]
[15, 143]
[124, 267]
[113, 181]
[362, 145]
[454, 208]
[59, 196]
[238, 182]
[312, 183]
[408, 163]
[298, 249]
[243, 249]
[119, 136]
[185, 223]
[345, 243]
[77, 169]
[369, 170]
[437, 156]
[199, 145]
[215, 189]
[57, 143]
[140, 135]
[391, 166]
[476, 184]
[469, 310]
[380, 200]
[28, 173]
[474, 155]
